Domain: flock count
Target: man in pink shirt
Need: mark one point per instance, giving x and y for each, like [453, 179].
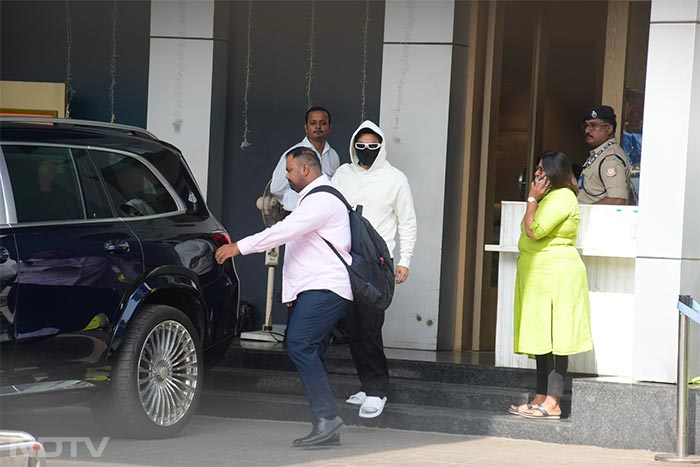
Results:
[315, 283]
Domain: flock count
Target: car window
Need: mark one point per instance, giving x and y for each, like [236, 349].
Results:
[44, 183]
[173, 169]
[96, 202]
[132, 187]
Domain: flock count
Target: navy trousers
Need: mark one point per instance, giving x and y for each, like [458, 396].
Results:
[312, 316]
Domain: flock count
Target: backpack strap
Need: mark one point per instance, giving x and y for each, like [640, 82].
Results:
[336, 252]
[337, 194]
[332, 190]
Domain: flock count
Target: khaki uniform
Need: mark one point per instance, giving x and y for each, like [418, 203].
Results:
[608, 176]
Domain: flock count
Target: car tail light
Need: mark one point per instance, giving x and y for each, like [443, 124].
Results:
[222, 238]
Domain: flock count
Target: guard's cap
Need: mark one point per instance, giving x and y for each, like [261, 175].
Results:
[603, 112]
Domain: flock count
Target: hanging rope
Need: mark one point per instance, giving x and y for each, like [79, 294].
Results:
[311, 46]
[363, 92]
[179, 68]
[69, 52]
[407, 32]
[248, 72]
[113, 62]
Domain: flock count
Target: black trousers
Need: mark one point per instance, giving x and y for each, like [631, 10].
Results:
[367, 349]
[551, 373]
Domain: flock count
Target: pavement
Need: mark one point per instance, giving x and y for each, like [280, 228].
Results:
[213, 441]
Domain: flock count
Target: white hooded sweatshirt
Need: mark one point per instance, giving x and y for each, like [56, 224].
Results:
[384, 194]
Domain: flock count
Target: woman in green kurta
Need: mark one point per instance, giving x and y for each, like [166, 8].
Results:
[552, 311]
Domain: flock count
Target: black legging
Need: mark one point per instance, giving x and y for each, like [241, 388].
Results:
[551, 372]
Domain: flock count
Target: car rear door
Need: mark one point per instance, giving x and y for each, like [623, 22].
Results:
[156, 198]
[8, 282]
[76, 260]
[8, 287]
[146, 203]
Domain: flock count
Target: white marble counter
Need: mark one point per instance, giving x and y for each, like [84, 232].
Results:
[607, 244]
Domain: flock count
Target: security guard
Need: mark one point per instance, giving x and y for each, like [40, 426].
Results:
[605, 178]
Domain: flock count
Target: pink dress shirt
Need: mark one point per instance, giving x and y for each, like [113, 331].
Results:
[309, 263]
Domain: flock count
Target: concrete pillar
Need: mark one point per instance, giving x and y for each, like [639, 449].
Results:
[180, 79]
[668, 242]
[415, 100]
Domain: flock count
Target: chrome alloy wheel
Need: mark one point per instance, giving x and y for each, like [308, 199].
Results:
[168, 373]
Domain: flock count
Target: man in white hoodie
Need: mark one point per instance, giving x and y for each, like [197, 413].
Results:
[383, 192]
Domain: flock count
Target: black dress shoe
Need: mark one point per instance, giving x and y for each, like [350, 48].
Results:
[334, 440]
[324, 433]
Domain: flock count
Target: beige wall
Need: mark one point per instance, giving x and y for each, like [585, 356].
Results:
[29, 97]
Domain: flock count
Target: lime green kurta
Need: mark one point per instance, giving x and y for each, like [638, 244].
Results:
[552, 311]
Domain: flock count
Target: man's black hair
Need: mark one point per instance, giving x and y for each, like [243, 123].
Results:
[368, 131]
[307, 154]
[317, 109]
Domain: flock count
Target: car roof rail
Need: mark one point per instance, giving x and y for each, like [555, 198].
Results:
[86, 123]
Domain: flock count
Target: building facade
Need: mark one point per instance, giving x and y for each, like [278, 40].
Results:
[467, 93]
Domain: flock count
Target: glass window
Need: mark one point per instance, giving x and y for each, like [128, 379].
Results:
[635, 81]
[44, 183]
[96, 202]
[133, 189]
[170, 166]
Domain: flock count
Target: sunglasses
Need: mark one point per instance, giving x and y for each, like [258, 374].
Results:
[371, 146]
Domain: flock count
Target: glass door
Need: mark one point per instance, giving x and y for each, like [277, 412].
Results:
[550, 59]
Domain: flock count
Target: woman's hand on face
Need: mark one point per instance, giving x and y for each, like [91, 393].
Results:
[540, 187]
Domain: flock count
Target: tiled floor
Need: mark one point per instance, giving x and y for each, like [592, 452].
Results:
[214, 441]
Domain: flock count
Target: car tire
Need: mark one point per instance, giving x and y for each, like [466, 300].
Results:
[157, 378]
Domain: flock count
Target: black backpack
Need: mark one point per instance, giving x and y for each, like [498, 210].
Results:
[372, 270]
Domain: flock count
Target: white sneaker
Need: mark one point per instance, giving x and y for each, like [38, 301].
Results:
[373, 407]
[358, 398]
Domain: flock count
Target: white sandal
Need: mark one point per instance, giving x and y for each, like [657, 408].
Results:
[373, 407]
[358, 398]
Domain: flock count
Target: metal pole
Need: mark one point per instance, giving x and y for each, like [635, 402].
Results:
[267, 334]
[267, 326]
[682, 402]
[681, 454]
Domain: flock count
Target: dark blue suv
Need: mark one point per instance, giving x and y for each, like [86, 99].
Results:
[108, 284]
